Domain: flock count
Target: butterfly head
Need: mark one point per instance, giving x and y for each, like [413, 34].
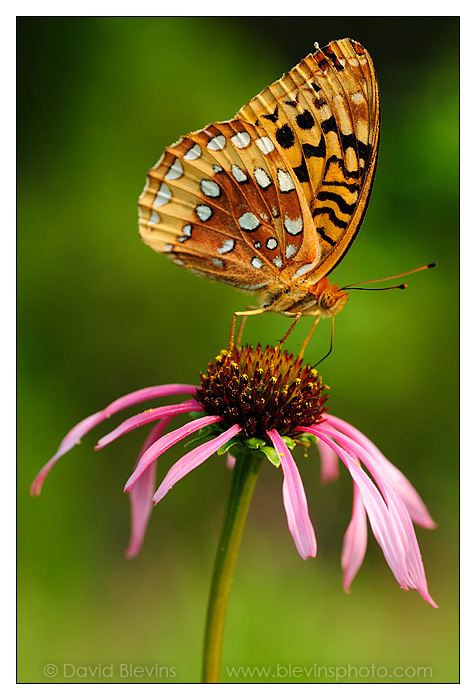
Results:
[330, 299]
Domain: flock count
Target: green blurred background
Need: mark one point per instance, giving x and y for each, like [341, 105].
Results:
[100, 314]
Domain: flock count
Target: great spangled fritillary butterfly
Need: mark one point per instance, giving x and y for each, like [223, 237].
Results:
[271, 200]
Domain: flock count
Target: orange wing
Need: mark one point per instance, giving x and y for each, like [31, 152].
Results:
[221, 201]
[324, 116]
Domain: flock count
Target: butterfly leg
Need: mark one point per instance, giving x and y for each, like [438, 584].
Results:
[240, 330]
[244, 314]
[311, 332]
[286, 336]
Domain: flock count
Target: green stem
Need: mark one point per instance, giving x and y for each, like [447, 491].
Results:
[245, 474]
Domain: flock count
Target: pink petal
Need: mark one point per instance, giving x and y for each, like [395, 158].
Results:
[376, 508]
[329, 463]
[145, 417]
[147, 394]
[193, 459]
[402, 532]
[230, 461]
[163, 444]
[355, 540]
[417, 509]
[79, 431]
[295, 503]
[70, 440]
[141, 495]
[399, 515]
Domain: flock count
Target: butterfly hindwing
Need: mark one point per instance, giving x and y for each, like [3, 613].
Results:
[324, 116]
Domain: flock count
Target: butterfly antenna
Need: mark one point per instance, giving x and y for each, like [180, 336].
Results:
[357, 285]
[376, 289]
[330, 349]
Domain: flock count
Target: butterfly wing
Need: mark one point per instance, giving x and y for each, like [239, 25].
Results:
[221, 201]
[324, 116]
[276, 195]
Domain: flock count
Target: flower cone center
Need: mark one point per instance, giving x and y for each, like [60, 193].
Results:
[262, 389]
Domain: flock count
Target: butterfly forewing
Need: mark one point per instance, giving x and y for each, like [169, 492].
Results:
[185, 212]
[232, 202]
[275, 196]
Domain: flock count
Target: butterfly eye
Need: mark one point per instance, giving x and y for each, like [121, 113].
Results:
[326, 299]
[332, 301]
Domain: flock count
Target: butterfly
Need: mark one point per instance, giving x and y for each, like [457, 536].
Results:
[271, 200]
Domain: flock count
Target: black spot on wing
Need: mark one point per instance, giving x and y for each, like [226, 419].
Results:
[305, 120]
[272, 117]
[335, 61]
[340, 163]
[331, 214]
[292, 102]
[285, 136]
[319, 101]
[350, 186]
[329, 125]
[360, 148]
[348, 141]
[301, 171]
[318, 151]
[324, 235]
[364, 150]
[344, 207]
